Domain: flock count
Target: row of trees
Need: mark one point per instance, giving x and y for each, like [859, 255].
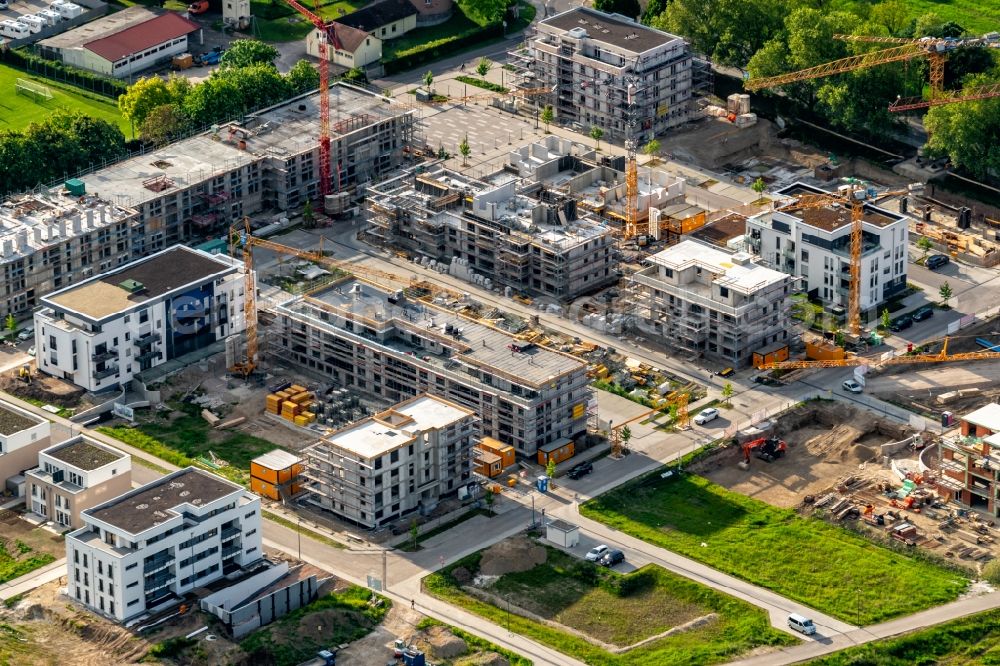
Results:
[246, 79]
[63, 144]
[770, 37]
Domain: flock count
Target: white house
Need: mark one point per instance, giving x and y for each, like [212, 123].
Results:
[142, 551]
[815, 245]
[101, 332]
[22, 437]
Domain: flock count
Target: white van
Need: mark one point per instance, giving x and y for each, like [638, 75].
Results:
[34, 23]
[14, 29]
[801, 624]
[27, 333]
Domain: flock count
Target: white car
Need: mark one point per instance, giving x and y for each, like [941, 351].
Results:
[31, 350]
[706, 415]
[596, 553]
[852, 386]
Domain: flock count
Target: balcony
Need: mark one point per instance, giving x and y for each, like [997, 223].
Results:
[106, 372]
[159, 581]
[232, 551]
[104, 355]
[147, 339]
[229, 533]
[150, 355]
[157, 564]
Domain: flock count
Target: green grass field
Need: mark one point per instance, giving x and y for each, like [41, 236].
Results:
[617, 609]
[24, 559]
[18, 111]
[826, 567]
[971, 641]
[976, 17]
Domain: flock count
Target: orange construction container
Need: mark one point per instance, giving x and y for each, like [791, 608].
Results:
[821, 351]
[284, 395]
[310, 417]
[505, 451]
[558, 451]
[487, 463]
[773, 354]
[263, 488]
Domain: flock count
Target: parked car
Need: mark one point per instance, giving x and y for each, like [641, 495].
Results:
[3, 4]
[726, 372]
[611, 558]
[31, 350]
[26, 333]
[581, 470]
[706, 415]
[853, 386]
[198, 7]
[936, 261]
[901, 323]
[920, 314]
[801, 624]
[596, 553]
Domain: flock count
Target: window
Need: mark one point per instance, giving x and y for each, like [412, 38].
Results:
[132, 566]
[131, 585]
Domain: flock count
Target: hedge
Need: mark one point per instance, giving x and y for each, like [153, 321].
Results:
[24, 60]
[433, 50]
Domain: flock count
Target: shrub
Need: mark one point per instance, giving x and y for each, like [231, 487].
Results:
[482, 83]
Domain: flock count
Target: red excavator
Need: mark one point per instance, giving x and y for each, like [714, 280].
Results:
[767, 449]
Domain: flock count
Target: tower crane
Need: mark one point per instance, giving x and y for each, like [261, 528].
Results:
[935, 49]
[941, 357]
[854, 196]
[631, 165]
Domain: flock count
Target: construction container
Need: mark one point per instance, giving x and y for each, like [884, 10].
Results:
[487, 464]
[290, 409]
[557, 451]
[276, 466]
[498, 448]
[264, 489]
[773, 354]
[821, 351]
[182, 61]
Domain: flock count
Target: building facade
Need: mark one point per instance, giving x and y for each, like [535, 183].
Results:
[593, 59]
[22, 437]
[705, 301]
[100, 333]
[76, 475]
[388, 346]
[815, 245]
[969, 461]
[346, 47]
[144, 550]
[394, 463]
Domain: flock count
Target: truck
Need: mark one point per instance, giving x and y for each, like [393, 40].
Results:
[198, 7]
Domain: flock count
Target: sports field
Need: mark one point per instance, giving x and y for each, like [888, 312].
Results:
[17, 111]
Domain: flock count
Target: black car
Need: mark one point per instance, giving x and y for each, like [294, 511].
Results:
[611, 558]
[901, 323]
[583, 469]
[936, 261]
[925, 312]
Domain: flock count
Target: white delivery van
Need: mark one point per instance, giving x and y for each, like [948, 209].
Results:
[801, 624]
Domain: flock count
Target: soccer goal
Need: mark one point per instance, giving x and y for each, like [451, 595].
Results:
[35, 91]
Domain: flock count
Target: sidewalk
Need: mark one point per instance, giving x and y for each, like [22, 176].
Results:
[33, 579]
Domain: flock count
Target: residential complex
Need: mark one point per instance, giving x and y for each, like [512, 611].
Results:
[100, 333]
[970, 461]
[389, 346]
[398, 461]
[147, 548]
[75, 475]
[22, 437]
[814, 244]
[705, 301]
[593, 59]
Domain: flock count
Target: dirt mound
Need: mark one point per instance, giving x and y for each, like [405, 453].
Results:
[511, 556]
[461, 575]
[442, 644]
[484, 659]
[834, 443]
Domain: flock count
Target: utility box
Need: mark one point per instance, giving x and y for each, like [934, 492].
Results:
[76, 187]
[562, 533]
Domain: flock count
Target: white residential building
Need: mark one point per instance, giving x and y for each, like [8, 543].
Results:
[815, 245]
[394, 463]
[100, 333]
[705, 301]
[22, 437]
[75, 475]
[143, 550]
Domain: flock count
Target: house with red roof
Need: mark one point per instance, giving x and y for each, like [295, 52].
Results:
[125, 42]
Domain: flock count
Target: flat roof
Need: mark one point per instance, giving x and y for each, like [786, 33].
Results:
[139, 282]
[84, 454]
[722, 230]
[735, 271]
[397, 426]
[478, 344]
[277, 459]
[155, 502]
[836, 216]
[561, 525]
[612, 29]
[988, 417]
[14, 420]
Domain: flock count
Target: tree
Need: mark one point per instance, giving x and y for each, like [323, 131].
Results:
[246, 52]
[142, 97]
[178, 87]
[991, 572]
[465, 150]
[759, 185]
[653, 9]
[946, 292]
[629, 8]
[163, 124]
[429, 80]
[11, 325]
[886, 319]
[968, 133]
[258, 85]
[414, 532]
[652, 149]
[729, 31]
[596, 133]
[484, 67]
[626, 435]
[727, 392]
[548, 115]
[483, 12]
[302, 77]
[216, 99]
[550, 468]
[308, 217]
[924, 243]
[356, 74]
[489, 499]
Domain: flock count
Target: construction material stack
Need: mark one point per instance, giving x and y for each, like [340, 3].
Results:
[293, 403]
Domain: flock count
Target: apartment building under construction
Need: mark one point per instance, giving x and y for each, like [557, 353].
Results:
[387, 346]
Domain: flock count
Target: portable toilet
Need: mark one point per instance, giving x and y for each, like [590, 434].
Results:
[542, 483]
[947, 419]
[34, 23]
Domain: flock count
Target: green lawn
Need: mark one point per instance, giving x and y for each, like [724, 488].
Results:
[18, 111]
[976, 17]
[455, 27]
[974, 640]
[19, 560]
[826, 567]
[617, 609]
[278, 22]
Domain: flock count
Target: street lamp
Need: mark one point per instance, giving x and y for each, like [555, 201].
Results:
[858, 590]
[508, 614]
[299, 533]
